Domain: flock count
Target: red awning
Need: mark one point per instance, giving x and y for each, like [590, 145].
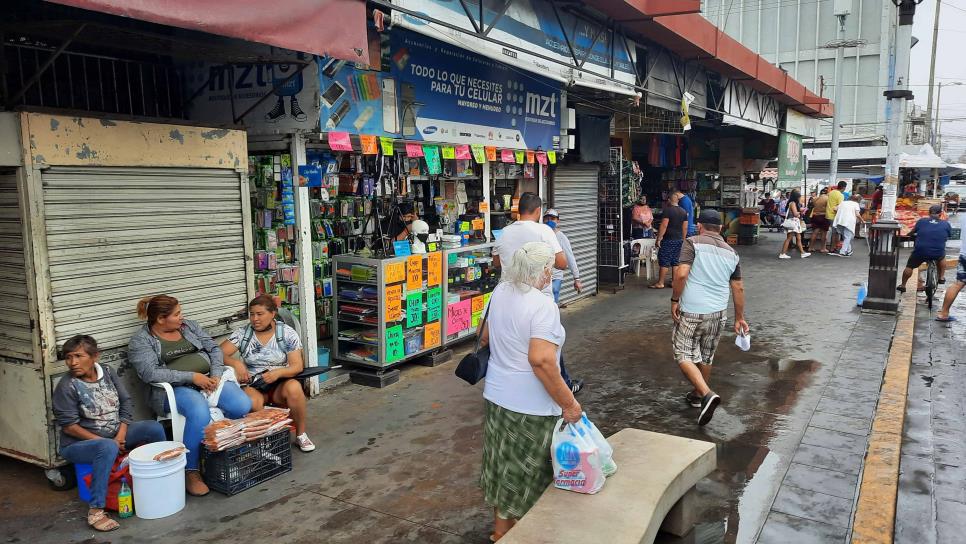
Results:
[323, 27]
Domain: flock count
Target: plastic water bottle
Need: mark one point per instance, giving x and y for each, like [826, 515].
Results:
[863, 290]
[125, 502]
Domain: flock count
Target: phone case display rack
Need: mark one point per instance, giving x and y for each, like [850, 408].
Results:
[392, 310]
[610, 240]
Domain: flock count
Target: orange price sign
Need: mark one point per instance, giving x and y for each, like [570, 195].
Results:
[491, 154]
[431, 335]
[414, 273]
[434, 268]
[484, 207]
[396, 272]
[477, 224]
[393, 303]
[478, 304]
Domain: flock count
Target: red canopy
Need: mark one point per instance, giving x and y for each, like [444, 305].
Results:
[324, 27]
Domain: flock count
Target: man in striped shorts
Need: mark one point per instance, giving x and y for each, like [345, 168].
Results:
[707, 273]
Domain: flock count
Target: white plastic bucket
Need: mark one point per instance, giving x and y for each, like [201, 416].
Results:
[158, 485]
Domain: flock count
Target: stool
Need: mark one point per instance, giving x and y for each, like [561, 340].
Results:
[646, 255]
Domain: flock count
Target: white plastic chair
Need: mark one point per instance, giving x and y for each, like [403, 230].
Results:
[645, 256]
[177, 420]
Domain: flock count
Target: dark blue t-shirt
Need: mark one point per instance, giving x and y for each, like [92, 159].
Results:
[688, 206]
[931, 237]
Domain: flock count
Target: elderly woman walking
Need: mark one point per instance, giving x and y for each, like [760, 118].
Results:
[524, 391]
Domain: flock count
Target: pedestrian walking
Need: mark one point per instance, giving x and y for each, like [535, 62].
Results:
[835, 198]
[708, 272]
[794, 226]
[953, 290]
[529, 229]
[552, 219]
[847, 219]
[670, 238]
[524, 392]
[819, 221]
[688, 205]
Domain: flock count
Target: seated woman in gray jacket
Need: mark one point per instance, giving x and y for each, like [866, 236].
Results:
[171, 349]
[94, 413]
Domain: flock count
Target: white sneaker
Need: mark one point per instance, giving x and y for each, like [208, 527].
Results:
[806, 255]
[304, 443]
[784, 256]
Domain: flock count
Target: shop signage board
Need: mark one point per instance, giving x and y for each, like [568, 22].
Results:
[431, 335]
[533, 29]
[293, 104]
[414, 273]
[414, 309]
[790, 161]
[395, 347]
[434, 268]
[459, 316]
[440, 92]
[393, 303]
[396, 272]
[434, 304]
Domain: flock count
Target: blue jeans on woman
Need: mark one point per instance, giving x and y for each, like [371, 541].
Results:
[101, 453]
[194, 407]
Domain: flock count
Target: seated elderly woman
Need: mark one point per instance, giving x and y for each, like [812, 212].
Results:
[169, 348]
[524, 391]
[95, 414]
[273, 350]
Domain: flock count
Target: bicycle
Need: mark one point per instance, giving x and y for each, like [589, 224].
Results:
[932, 281]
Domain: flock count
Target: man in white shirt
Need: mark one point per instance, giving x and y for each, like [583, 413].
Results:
[847, 218]
[529, 229]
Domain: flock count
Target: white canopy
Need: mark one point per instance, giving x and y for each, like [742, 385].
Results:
[924, 158]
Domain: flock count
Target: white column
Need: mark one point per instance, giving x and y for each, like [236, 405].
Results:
[303, 247]
[485, 176]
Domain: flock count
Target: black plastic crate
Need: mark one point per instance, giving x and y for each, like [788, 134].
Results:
[747, 240]
[236, 469]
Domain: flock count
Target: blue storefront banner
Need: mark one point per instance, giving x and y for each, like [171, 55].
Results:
[438, 92]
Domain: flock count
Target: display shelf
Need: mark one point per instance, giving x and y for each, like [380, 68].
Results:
[468, 268]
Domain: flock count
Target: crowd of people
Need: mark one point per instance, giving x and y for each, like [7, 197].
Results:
[94, 410]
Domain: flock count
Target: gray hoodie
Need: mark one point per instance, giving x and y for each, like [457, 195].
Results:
[144, 354]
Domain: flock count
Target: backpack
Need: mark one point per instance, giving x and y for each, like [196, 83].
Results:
[250, 335]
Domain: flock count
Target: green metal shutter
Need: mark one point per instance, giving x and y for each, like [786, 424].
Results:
[575, 198]
[15, 334]
[115, 235]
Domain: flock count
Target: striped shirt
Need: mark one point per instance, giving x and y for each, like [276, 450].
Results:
[714, 265]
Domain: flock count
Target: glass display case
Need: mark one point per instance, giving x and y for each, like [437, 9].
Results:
[470, 278]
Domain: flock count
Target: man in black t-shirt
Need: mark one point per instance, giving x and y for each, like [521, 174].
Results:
[670, 237]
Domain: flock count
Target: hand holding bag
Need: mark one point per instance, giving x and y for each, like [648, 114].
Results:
[472, 367]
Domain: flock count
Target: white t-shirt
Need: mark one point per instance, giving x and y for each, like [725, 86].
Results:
[519, 233]
[845, 215]
[259, 357]
[516, 317]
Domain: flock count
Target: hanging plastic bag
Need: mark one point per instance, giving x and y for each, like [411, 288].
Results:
[576, 460]
[604, 448]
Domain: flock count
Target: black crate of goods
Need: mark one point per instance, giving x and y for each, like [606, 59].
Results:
[236, 469]
[747, 230]
[747, 240]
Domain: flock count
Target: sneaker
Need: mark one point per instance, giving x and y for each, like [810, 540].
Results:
[708, 405]
[304, 443]
[297, 112]
[693, 399]
[806, 255]
[849, 254]
[835, 253]
[278, 112]
[576, 386]
[784, 256]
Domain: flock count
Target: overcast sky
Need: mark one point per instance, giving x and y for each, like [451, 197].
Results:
[950, 68]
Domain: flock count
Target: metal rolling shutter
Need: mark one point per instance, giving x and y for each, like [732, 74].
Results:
[575, 198]
[115, 235]
[15, 334]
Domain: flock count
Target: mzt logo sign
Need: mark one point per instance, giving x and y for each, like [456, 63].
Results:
[542, 106]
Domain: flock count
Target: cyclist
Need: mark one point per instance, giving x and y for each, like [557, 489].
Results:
[931, 235]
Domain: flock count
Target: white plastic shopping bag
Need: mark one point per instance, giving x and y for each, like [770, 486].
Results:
[743, 341]
[606, 451]
[576, 460]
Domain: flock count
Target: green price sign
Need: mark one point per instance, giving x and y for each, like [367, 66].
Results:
[434, 304]
[395, 348]
[414, 309]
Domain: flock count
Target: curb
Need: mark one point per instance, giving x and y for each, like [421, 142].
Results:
[875, 512]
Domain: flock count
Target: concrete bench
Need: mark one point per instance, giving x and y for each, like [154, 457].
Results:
[652, 490]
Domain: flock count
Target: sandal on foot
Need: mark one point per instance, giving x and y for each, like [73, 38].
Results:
[655, 286]
[100, 521]
[948, 319]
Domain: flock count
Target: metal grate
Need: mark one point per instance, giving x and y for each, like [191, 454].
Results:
[610, 240]
[88, 82]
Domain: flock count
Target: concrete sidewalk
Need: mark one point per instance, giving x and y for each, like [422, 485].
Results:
[401, 464]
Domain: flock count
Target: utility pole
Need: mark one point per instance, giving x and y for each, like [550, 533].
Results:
[841, 12]
[932, 76]
[884, 234]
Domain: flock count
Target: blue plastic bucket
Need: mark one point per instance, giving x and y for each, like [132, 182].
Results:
[82, 490]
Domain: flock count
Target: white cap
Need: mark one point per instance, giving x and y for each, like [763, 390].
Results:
[551, 212]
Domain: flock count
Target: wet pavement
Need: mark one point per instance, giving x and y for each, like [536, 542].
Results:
[931, 507]
[401, 464]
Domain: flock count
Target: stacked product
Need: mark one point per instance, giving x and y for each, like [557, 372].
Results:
[229, 433]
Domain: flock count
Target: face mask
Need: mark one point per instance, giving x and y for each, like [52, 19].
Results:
[552, 224]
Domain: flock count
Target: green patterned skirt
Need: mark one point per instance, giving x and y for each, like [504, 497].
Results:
[516, 459]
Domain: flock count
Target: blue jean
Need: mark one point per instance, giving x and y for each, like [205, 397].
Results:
[100, 453]
[194, 407]
[555, 285]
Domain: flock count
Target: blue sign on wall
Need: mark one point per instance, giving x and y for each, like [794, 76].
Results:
[442, 93]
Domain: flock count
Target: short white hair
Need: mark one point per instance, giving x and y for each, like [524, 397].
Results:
[529, 264]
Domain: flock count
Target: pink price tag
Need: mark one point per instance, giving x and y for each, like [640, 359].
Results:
[541, 157]
[414, 150]
[463, 152]
[506, 155]
[339, 141]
